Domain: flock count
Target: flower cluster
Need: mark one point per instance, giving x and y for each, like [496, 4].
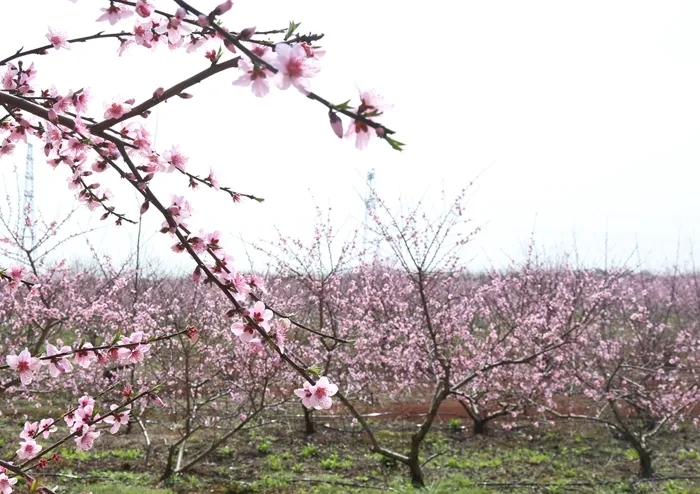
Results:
[128, 350]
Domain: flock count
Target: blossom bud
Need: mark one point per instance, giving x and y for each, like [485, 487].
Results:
[229, 46]
[247, 33]
[192, 334]
[157, 401]
[336, 123]
[143, 9]
[222, 8]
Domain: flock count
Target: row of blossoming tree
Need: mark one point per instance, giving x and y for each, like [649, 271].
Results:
[402, 319]
[544, 342]
[534, 343]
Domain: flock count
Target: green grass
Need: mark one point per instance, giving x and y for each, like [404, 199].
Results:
[281, 459]
[114, 488]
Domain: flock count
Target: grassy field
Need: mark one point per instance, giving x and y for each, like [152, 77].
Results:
[279, 458]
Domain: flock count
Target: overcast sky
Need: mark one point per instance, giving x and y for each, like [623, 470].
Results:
[584, 118]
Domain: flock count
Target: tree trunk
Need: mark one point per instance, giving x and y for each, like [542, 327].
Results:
[645, 470]
[168, 470]
[308, 421]
[417, 478]
[479, 426]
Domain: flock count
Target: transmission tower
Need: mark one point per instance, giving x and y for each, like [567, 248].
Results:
[369, 206]
[28, 207]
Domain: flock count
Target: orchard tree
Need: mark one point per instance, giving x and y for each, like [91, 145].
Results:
[314, 281]
[637, 369]
[115, 143]
[432, 329]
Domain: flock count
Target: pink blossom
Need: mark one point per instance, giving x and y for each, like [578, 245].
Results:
[6, 483]
[7, 148]
[212, 239]
[114, 13]
[25, 364]
[86, 401]
[16, 273]
[116, 110]
[312, 52]
[260, 315]
[8, 78]
[81, 418]
[174, 27]
[30, 431]
[124, 44]
[323, 390]
[84, 357]
[371, 102]
[117, 419]
[362, 133]
[306, 394]
[59, 365]
[28, 449]
[57, 39]
[280, 335]
[241, 285]
[143, 8]
[69, 419]
[244, 331]
[136, 351]
[46, 427]
[195, 43]
[294, 67]
[175, 159]
[142, 34]
[256, 76]
[80, 100]
[257, 281]
[256, 345]
[371, 105]
[213, 180]
[87, 439]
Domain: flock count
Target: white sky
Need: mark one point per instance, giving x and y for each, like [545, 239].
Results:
[586, 114]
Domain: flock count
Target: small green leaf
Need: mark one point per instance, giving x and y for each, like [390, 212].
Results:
[394, 143]
[260, 199]
[315, 369]
[290, 30]
[343, 106]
